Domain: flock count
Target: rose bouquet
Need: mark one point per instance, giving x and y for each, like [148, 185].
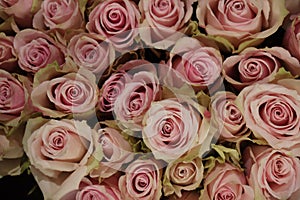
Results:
[151, 99]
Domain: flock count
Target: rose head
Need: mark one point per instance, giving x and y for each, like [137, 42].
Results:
[13, 96]
[272, 112]
[227, 117]
[66, 93]
[171, 128]
[8, 58]
[226, 181]
[58, 14]
[116, 152]
[273, 174]
[164, 21]
[291, 39]
[141, 181]
[91, 52]
[241, 22]
[36, 49]
[201, 66]
[57, 146]
[258, 66]
[116, 20]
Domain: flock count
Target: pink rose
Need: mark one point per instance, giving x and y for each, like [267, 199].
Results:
[227, 117]
[36, 50]
[273, 174]
[241, 22]
[258, 66]
[116, 152]
[58, 14]
[67, 93]
[136, 98]
[291, 40]
[91, 52]
[226, 181]
[272, 112]
[110, 90]
[60, 146]
[293, 6]
[21, 10]
[201, 66]
[171, 128]
[182, 175]
[8, 59]
[141, 181]
[13, 96]
[117, 20]
[89, 190]
[11, 152]
[164, 21]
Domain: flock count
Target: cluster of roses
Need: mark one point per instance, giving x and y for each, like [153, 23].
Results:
[152, 99]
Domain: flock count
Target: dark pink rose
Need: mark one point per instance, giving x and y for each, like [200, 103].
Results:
[55, 147]
[13, 96]
[70, 93]
[242, 23]
[8, 58]
[171, 128]
[141, 181]
[291, 40]
[273, 174]
[164, 21]
[110, 90]
[227, 117]
[91, 52]
[136, 97]
[272, 112]
[117, 20]
[58, 14]
[258, 66]
[116, 152]
[201, 66]
[36, 50]
[226, 181]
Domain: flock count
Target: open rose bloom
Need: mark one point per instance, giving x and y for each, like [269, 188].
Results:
[150, 99]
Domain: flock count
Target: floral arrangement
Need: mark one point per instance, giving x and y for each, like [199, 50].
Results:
[152, 99]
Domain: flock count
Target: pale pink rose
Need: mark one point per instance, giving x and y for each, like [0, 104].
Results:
[226, 181]
[254, 65]
[117, 20]
[116, 152]
[13, 96]
[136, 98]
[171, 128]
[293, 6]
[164, 21]
[227, 117]
[36, 50]
[90, 190]
[110, 90]
[242, 22]
[182, 175]
[58, 14]
[201, 66]
[91, 52]
[273, 174]
[55, 147]
[141, 181]
[21, 10]
[69, 93]
[291, 40]
[272, 112]
[11, 152]
[8, 58]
